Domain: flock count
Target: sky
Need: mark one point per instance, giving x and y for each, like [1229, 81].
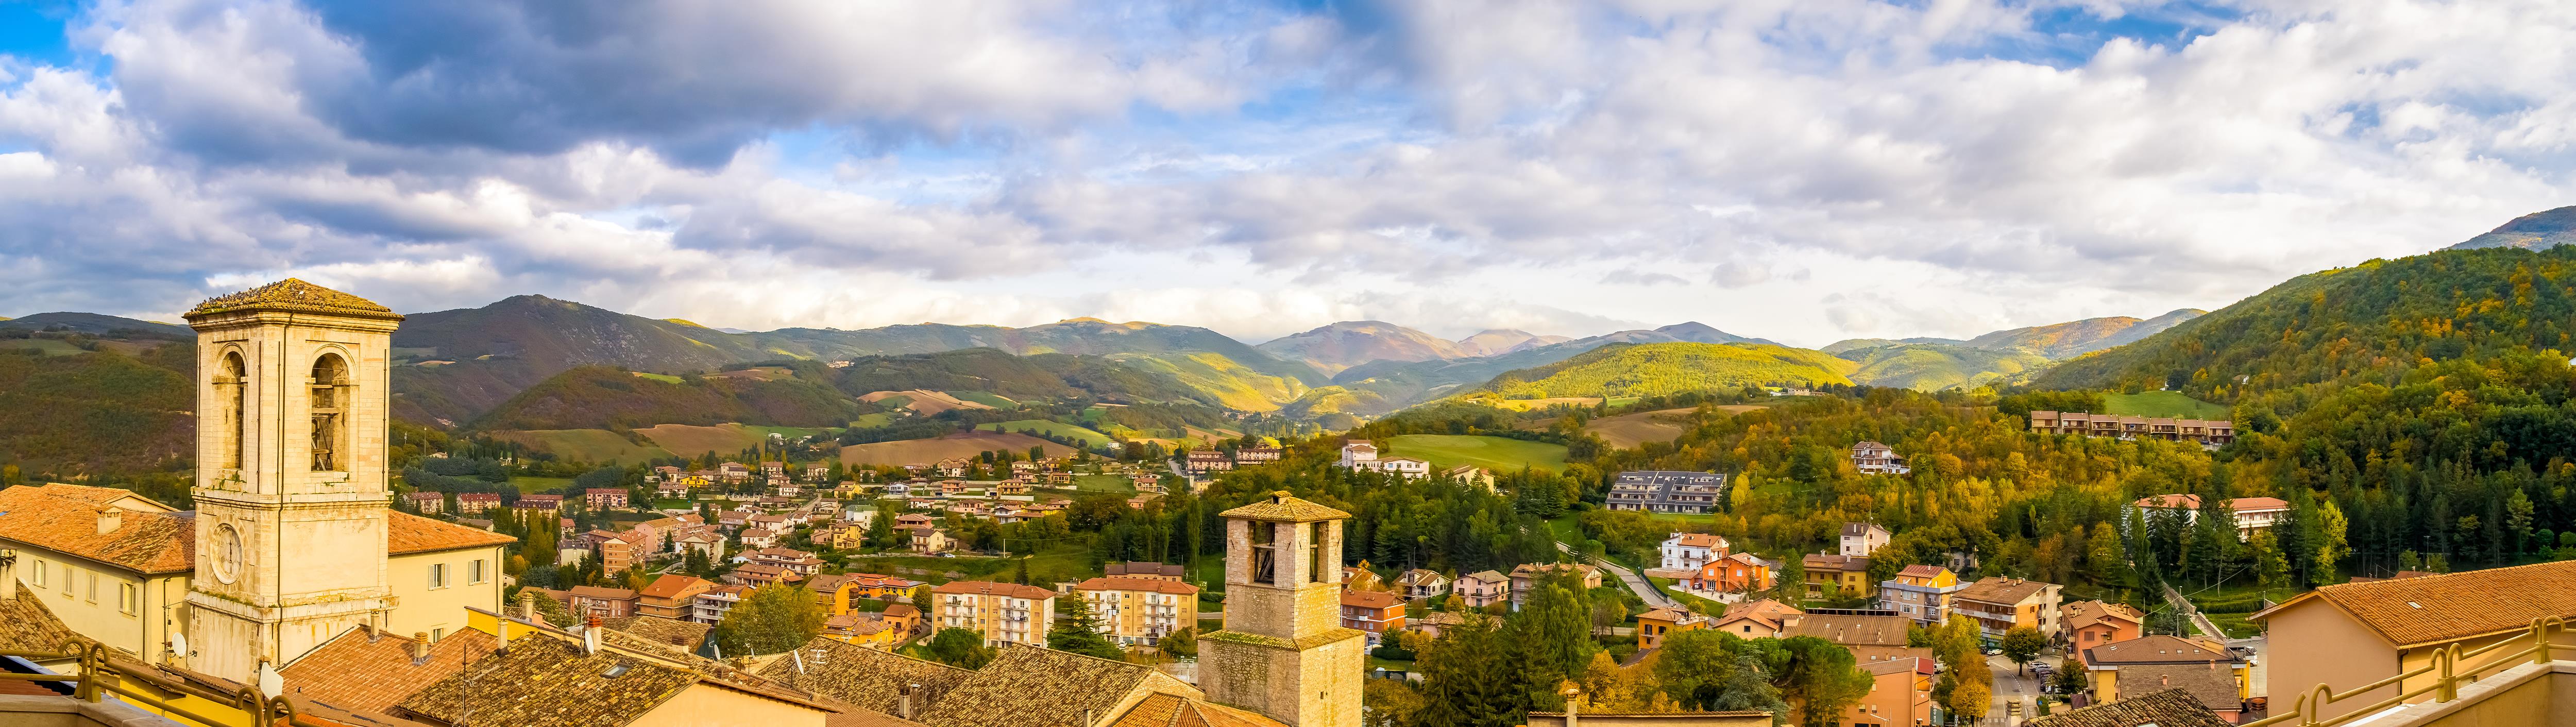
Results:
[1798, 170]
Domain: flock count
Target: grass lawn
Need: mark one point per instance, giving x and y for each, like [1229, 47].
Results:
[672, 503]
[528, 485]
[598, 446]
[986, 398]
[1696, 603]
[1375, 663]
[2162, 404]
[1089, 438]
[1493, 453]
[664, 378]
[871, 420]
[50, 347]
[1103, 483]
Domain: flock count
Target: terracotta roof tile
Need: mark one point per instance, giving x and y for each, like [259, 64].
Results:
[294, 296]
[682, 635]
[26, 625]
[66, 521]
[865, 677]
[2168, 708]
[1158, 585]
[407, 533]
[1371, 599]
[2443, 607]
[1028, 685]
[353, 673]
[671, 585]
[2209, 686]
[1282, 508]
[1170, 710]
[2156, 648]
[987, 588]
[2086, 613]
[1998, 589]
[543, 682]
[1853, 630]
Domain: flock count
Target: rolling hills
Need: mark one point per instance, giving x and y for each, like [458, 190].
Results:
[1655, 369]
[605, 397]
[2370, 321]
[1933, 366]
[2547, 228]
[1332, 348]
[98, 411]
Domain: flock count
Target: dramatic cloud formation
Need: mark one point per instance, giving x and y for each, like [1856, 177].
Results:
[1801, 170]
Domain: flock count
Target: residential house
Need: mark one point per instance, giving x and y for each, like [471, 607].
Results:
[604, 498]
[913, 520]
[1257, 455]
[817, 473]
[1376, 613]
[1202, 461]
[701, 541]
[552, 504]
[1872, 458]
[2217, 677]
[1421, 583]
[790, 559]
[1999, 603]
[1003, 613]
[1059, 478]
[1871, 638]
[711, 606]
[2353, 634]
[1140, 501]
[756, 575]
[671, 489]
[1363, 457]
[1469, 474]
[862, 628]
[927, 540]
[773, 468]
[1900, 693]
[1013, 486]
[601, 602]
[671, 595]
[1920, 592]
[734, 473]
[1140, 611]
[2209, 433]
[1861, 539]
[1736, 573]
[1432, 624]
[1689, 551]
[1526, 575]
[1657, 623]
[2094, 623]
[951, 468]
[1831, 574]
[1357, 455]
[1691, 493]
[1141, 569]
[2252, 513]
[951, 488]
[426, 503]
[758, 538]
[1759, 619]
[1484, 588]
[881, 587]
[471, 503]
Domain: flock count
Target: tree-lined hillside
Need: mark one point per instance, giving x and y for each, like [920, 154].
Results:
[1658, 369]
[1933, 367]
[97, 412]
[605, 397]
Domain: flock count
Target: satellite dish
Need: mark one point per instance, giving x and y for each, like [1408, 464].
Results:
[270, 684]
[179, 645]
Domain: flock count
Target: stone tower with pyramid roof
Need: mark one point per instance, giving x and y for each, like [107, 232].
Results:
[1284, 652]
[290, 491]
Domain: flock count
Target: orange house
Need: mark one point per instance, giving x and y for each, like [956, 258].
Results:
[2094, 623]
[1737, 573]
[1655, 624]
[1900, 694]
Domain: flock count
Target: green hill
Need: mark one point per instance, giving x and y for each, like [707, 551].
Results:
[1933, 367]
[1656, 369]
[97, 412]
[605, 397]
[2372, 321]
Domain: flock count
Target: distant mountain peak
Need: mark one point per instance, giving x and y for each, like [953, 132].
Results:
[2535, 231]
[1334, 347]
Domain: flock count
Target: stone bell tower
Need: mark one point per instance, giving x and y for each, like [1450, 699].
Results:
[1284, 652]
[291, 494]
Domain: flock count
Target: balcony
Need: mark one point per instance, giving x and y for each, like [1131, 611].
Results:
[2531, 686]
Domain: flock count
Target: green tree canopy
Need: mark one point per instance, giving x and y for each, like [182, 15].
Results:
[773, 619]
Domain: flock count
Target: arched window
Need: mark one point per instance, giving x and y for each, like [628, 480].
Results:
[237, 402]
[329, 402]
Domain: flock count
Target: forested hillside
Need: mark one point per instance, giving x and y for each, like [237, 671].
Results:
[97, 412]
[1933, 367]
[605, 397]
[1657, 369]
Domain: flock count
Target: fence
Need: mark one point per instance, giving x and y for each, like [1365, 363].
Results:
[2445, 686]
[100, 676]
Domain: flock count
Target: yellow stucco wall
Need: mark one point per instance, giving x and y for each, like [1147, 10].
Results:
[65, 586]
[705, 705]
[418, 608]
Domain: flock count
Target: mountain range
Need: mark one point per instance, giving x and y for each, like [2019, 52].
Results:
[2547, 228]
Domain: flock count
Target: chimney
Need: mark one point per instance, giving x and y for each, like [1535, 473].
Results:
[370, 626]
[109, 519]
[903, 707]
[2164, 680]
[419, 648]
[9, 574]
[590, 635]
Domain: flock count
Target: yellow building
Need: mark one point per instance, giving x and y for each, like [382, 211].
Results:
[117, 568]
[1140, 611]
[1656, 624]
[1005, 613]
[2148, 664]
[864, 629]
[1828, 573]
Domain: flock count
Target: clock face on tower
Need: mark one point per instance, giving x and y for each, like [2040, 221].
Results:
[228, 553]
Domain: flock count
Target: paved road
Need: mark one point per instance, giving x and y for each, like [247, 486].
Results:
[2198, 621]
[1646, 590]
[2009, 688]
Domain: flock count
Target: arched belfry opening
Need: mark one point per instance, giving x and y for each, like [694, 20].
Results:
[331, 393]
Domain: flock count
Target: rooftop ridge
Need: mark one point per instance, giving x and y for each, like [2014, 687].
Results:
[293, 295]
